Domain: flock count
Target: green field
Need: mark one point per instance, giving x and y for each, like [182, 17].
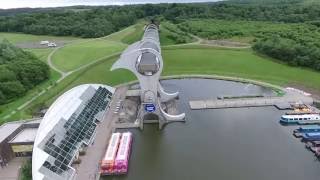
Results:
[19, 37]
[197, 59]
[134, 35]
[238, 63]
[42, 54]
[75, 55]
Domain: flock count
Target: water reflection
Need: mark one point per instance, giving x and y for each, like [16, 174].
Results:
[232, 144]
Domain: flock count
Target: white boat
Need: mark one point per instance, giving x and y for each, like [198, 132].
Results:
[300, 119]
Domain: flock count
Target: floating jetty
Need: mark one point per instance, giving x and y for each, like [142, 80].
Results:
[281, 102]
[241, 96]
[116, 159]
[278, 102]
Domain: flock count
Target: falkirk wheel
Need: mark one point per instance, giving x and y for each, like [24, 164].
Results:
[144, 59]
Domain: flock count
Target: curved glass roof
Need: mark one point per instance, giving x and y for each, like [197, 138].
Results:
[68, 125]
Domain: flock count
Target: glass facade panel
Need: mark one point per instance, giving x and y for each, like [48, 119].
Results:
[78, 129]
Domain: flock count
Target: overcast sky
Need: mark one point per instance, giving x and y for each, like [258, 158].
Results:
[7, 4]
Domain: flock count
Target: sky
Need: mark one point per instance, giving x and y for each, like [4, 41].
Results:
[7, 4]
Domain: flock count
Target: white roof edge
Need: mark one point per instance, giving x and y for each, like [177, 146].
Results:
[51, 118]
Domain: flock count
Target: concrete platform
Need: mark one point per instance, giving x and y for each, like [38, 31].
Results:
[12, 170]
[133, 92]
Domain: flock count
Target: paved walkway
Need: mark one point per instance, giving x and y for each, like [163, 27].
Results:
[89, 166]
[12, 170]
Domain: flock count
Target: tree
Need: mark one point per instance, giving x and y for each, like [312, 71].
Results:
[19, 71]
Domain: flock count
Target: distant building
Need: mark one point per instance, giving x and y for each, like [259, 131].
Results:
[17, 138]
[67, 127]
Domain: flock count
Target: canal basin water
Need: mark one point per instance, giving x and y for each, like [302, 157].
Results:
[231, 144]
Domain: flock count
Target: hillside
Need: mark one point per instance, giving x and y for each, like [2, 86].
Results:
[101, 21]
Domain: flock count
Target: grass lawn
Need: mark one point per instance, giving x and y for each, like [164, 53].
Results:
[238, 63]
[83, 52]
[135, 35]
[42, 54]
[119, 36]
[20, 37]
[101, 74]
[75, 55]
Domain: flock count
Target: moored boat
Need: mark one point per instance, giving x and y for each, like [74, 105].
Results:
[116, 159]
[300, 119]
[307, 137]
[314, 149]
[313, 144]
[317, 153]
[306, 129]
[107, 163]
[123, 155]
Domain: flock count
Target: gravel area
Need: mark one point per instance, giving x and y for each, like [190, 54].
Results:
[37, 45]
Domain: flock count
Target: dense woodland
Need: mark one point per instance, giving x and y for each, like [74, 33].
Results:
[19, 72]
[100, 21]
